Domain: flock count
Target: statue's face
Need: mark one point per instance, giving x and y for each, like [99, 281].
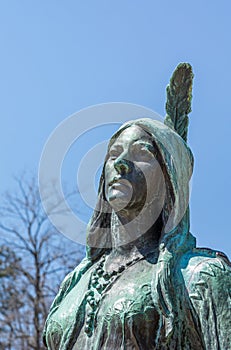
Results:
[133, 175]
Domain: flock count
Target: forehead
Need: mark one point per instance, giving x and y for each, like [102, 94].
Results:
[132, 134]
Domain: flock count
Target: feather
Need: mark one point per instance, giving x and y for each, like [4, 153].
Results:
[179, 96]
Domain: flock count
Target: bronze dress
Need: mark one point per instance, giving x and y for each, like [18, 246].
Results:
[126, 317]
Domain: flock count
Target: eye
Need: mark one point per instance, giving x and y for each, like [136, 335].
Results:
[114, 153]
[143, 152]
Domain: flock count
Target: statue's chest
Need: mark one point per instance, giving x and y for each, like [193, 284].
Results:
[114, 317]
[125, 312]
[130, 294]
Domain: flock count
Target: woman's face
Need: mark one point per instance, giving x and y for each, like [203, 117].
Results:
[133, 175]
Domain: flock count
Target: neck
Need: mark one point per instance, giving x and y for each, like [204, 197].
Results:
[136, 235]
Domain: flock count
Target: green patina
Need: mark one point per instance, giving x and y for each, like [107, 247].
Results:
[144, 284]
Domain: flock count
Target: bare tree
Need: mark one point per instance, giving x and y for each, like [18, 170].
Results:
[42, 257]
[9, 303]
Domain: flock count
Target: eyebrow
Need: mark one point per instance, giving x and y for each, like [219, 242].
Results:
[144, 142]
[141, 140]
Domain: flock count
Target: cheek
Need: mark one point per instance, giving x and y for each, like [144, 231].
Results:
[107, 170]
[154, 177]
[108, 174]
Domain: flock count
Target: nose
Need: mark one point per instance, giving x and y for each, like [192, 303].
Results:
[123, 166]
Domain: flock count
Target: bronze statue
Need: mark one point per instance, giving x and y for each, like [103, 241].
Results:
[144, 284]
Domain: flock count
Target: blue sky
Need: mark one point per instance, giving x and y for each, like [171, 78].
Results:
[58, 57]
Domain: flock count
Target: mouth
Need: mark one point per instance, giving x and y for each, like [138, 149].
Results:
[119, 192]
[118, 181]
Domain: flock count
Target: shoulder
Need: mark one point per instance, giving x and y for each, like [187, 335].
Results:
[73, 277]
[206, 269]
[69, 281]
[67, 284]
[207, 277]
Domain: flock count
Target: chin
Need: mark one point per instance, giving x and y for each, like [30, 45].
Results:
[118, 200]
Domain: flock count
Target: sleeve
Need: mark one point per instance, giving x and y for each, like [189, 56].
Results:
[209, 291]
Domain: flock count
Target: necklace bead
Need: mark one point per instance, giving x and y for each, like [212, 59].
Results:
[101, 286]
[121, 268]
[106, 276]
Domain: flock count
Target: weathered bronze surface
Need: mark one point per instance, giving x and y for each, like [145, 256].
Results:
[144, 284]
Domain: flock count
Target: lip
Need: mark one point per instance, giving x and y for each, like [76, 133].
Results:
[118, 181]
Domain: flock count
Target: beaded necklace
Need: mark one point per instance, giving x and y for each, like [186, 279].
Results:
[99, 283]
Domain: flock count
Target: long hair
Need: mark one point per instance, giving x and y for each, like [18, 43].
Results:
[169, 293]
